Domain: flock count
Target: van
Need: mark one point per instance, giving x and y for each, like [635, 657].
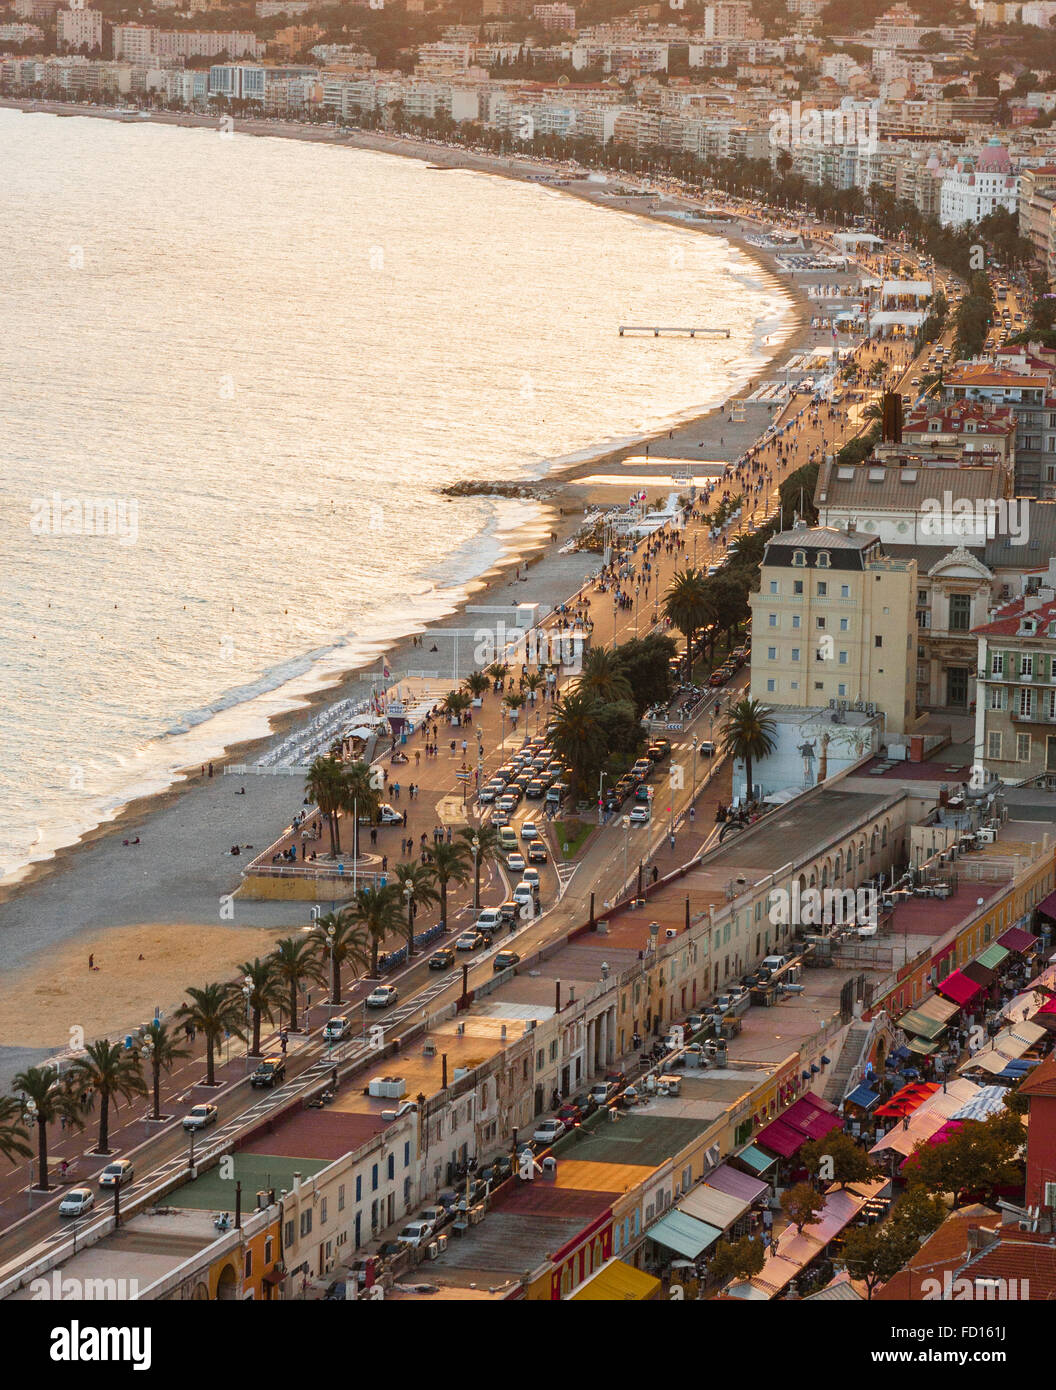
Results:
[508, 839]
[773, 963]
[490, 920]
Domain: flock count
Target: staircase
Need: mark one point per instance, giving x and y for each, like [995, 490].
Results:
[839, 1081]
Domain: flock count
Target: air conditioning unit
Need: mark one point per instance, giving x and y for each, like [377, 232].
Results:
[441, 1243]
[476, 1214]
[432, 1250]
[987, 836]
[429, 1050]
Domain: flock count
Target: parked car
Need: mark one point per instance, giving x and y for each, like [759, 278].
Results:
[335, 1028]
[200, 1116]
[117, 1174]
[601, 1093]
[505, 959]
[269, 1071]
[437, 1216]
[469, 940]
[570, 1113]
[442, 959]
[388, 815]
[415, 1233]
[77, 1202]
[585, 1104]
[382, 997]
[548, 1131]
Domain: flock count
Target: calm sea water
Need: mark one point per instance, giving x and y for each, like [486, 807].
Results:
[258, 360]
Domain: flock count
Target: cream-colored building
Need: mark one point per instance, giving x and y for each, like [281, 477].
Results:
[834, 621]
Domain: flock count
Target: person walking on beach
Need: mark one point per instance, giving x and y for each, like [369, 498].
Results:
[91, 962]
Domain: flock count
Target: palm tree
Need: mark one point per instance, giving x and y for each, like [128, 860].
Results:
[361, 797]
[686, 605]
[602, 677]
[325, 786]
[498, 670]
[749, 731]
[265, 996]
[162, 1052]
[513, 702]
[419, 878]
[48, 1098]
[340, 939]
[213, 1011]
[534, 681]
[448, 863]
[378, 911]
[576, 735]
[487, 838]
[477, 684]
[111, 1072]
[295, 963]
[455, 703]
[13, 1135]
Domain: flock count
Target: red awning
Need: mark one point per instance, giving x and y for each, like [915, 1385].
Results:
[781, 1138]
[1048, 906]
[808, 1118]
[959, 987]
[1016, 939]
[904, 1102]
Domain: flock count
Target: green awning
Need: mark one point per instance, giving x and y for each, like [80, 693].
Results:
[921, 1025]
[922, 1046]
[993, 956]
[756, 1159]
[683, 1234]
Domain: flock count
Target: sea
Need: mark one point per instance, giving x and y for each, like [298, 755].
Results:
[235, 373]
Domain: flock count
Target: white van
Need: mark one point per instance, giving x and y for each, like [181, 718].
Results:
[773, 963]
[489, 920]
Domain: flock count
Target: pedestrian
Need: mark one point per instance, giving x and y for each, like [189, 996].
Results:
[373, 835]
[91, 961]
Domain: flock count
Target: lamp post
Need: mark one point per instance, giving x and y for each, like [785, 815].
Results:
[408, 898]
[626, 842]
[695, 746]
[247, 995]
[475, 843]
[330, 936]
[601, 809]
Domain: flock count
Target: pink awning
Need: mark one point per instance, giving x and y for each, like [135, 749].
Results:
[959, 987]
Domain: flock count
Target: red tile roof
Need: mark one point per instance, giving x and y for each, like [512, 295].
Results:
[1042, 1080]
[1006, 624]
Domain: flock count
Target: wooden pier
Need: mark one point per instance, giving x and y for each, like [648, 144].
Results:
[658, 331]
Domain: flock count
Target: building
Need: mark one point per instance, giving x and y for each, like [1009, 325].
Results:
[976, 187]
[731, 19]
[1015, 720]
[77, 29]
[555, 16]
[833, 620]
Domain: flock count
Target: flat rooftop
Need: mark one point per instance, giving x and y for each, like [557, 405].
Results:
[255, 1171]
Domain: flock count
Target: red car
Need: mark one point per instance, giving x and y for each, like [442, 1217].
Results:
[570, 1114]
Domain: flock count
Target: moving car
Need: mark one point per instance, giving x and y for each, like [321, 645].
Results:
[442, 959]
[529, 830]
[336, 1028]
[515, 862]
[536, 852]
[547, 1131]
[489, 920]
[505, 959]
[117, 1174]
[77, 1202]
[469, 941]
[508, 839]
[270, 1070]
[382, 997]
[531, 876]
[640, 815]
[509, 911]
[524, 894]
[199, 1116]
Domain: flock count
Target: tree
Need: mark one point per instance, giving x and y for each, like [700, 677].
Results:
[213, 1011]
[646, 662]
[686, 605]
[13, 1135]
[919, 1213]
[340, 940]
[296, 963]
[736, 1259]
[487, 838]
[514, 702]
[534, 682]
[48, 1097]
[975, 1159]
[415, 884]
[603, 677]
[837, 1158]
[749, 732]
[477, 684]
[360, 797]
[378, 911]
[875, 1254]
[449, 864]
[577, 736]
[455, 703]
[162, 1052]
[802, 1204]
[113, 1073]
[265, 994]
[325, 786]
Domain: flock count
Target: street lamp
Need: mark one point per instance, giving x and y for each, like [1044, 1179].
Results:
[601, 810]
[695, 745]
[247, 995]
[626, 842]
[475, 843]
[408, 898]
[330, 937]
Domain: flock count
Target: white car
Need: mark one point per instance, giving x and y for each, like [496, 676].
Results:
[640, 815]
[529, 830]
[547, 1131]
[117, 1174]
[469, 940]
[524, 894]
[382, 997]
[490, 919]
[77, 1202]
[336, 1028]
[515, 862]
[415, 1233]
[531, 876]
[200, 1116]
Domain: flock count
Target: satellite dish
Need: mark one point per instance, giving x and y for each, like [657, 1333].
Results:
[562, 81]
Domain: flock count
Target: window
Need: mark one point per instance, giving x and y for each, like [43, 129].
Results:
[289, 1234]
[843, 658]
[771, 686]
[845, 624]
[407, 1154]
[960, 612]
[997, 697]
[922, 596]
[823, 590]
[322, 1211]
[359, 1188]
[773, 586]
[993, 745]
[1026, 701]
[823, 559]
[772, 619]
[819, 685]
[553, 1051]
[1023, 748]
[878, 641]
[795, 621]
[795, 653]
[306, 1222]
[797, 586]
[997, 664]
[391, 1167]
[374, 1178]
[841, 689]
[845, 591]
[799, 558]
[821, 623]
[1026, 663]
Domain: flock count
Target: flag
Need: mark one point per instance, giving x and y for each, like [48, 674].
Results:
[385, 669]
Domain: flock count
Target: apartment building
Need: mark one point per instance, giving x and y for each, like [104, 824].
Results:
[834, 619]
[555, 16]
[77, 29]
[1025, 387]
[141, 43]
[1037, 214]
[731, 19]
[1015, 720]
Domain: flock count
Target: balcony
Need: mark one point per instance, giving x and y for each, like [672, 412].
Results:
[1038, 718]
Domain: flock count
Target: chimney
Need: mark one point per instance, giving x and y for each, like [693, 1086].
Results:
[557, 996]
[443, 1071]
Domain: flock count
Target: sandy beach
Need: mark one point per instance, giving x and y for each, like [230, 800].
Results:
[165, 897]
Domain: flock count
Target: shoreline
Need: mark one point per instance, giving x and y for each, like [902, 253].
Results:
[559, 493]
